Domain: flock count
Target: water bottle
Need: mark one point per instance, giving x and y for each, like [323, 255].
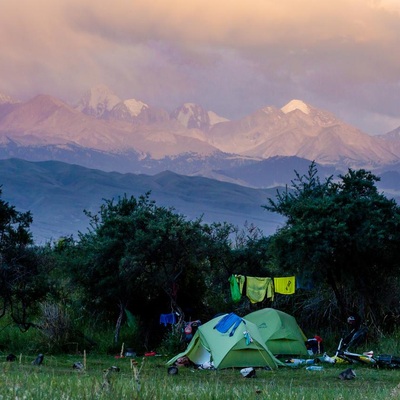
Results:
[297, 361]
[314, 368]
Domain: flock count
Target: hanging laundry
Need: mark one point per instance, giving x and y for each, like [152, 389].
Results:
[230, 321]
[285, 285]
[235, 291]
[257, 288]
[241, 279]
[168, 319]
[247, 337]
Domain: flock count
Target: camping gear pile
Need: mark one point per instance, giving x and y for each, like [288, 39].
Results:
[252, 341]
[315, 345]
[357, 337]
[262, 338]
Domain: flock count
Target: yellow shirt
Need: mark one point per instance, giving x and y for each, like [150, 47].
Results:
[285, 285]
[257, 288]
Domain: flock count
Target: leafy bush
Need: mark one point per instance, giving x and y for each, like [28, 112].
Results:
[55, 325]
[13, 340]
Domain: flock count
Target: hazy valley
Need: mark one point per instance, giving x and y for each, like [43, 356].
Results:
[103, 147]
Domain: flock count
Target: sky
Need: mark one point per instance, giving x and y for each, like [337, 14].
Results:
[230, 56]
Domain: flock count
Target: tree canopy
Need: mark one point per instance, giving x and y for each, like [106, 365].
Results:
[21, 266]
[343, 233]
[138, 258]
[145, 258]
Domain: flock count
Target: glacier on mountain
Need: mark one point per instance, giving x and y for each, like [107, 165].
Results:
[296, 105]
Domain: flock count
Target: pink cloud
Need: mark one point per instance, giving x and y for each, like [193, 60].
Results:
[217, 52]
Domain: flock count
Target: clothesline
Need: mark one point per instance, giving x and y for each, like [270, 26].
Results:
[259, 288]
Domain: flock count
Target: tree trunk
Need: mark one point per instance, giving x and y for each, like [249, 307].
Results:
[332, 283]
[119, 322]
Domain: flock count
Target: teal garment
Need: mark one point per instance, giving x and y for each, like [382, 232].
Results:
[235, 291]
[247, 337]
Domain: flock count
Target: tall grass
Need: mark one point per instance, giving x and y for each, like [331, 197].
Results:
[13, 340]
[56, 379]
[89, 336]
[389, 344]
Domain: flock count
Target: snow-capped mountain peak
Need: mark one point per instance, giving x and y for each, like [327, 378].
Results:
[296, 105]
[191, 115]
[135, 107]
[97, 100]
[215, 118]
[297, 129]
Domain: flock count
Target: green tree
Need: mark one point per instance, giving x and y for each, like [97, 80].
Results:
[345, 234]
[235, 250]
[22, 266]
[141, 257]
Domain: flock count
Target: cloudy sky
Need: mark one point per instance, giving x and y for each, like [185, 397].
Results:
[230, 56]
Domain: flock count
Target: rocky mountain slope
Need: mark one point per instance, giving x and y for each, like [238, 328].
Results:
[105, 132]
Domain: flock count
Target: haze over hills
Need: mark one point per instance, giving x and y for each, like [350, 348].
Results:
[105, 146]
[57, 194]
[105, 132]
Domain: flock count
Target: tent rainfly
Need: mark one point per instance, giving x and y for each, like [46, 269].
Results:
[280, 332]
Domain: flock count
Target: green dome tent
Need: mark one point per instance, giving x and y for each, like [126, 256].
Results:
[279, 331]
[229, 349]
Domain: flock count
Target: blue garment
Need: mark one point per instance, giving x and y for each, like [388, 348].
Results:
[167, 319]
[230, 321]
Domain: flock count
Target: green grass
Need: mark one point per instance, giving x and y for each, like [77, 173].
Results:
[56, 379]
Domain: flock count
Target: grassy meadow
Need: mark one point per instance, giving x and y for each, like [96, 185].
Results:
[149, 379]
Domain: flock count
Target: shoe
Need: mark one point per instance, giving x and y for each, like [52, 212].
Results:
[328, 359]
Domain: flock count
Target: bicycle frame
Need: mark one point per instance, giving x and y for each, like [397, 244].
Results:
[351, 357]
[355, 358]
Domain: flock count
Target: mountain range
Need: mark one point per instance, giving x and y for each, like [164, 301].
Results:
[102, 131]
[59, 159]
[58, 193]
